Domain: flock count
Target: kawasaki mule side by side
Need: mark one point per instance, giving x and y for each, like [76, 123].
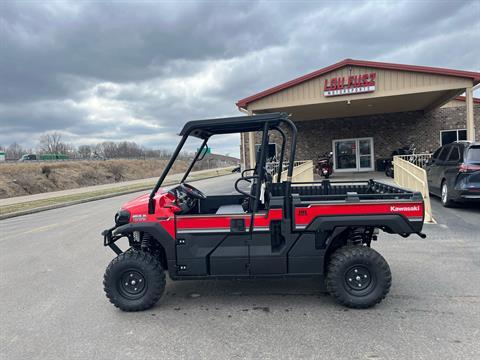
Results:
[276, 228]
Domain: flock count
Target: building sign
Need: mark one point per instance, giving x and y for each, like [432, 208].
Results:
[346, 85]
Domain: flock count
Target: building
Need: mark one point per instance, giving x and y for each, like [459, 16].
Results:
[363, 110]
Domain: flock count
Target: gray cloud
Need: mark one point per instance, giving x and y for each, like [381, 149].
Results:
[138, 71]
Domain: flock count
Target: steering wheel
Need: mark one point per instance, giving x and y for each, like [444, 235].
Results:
[193, 192]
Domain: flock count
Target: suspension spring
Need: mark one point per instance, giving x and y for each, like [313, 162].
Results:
[357, 236]
[146, 241]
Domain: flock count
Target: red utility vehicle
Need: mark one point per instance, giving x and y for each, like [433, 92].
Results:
[276, 229]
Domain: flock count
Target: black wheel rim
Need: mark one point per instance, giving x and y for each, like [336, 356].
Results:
[132, 284]
[358, 280]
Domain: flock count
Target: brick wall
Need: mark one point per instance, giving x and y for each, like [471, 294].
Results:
[389, 131]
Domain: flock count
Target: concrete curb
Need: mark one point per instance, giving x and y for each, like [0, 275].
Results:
[81, 201]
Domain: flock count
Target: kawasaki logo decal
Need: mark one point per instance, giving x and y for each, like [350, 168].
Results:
[394, 208]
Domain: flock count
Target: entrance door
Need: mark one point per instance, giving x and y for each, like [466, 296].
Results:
[353, 154]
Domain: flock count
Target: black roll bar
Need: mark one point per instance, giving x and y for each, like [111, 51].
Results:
[151, 203]
[282, 153]
[259, 174]
[288, 184]
[293, 146]
[192, 164]
[261, 169]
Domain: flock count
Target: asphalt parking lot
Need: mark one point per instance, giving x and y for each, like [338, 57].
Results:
[52, 304]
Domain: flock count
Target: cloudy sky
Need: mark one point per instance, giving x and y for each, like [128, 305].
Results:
[137, 71]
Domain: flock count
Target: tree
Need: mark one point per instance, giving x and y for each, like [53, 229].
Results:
[14, 151]
[107, 149]
[124, 149]
[85, 151]
[52, 143]
[129, 149]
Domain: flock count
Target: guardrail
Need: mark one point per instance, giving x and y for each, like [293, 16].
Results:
[409, 172]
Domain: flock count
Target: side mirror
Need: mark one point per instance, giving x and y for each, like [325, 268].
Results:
[204, 151]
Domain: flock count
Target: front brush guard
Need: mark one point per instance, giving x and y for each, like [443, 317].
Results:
[109, 240]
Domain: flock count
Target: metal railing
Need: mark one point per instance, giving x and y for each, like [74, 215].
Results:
[274, 167]
[419, 160]
[409, 172]
[302, 170]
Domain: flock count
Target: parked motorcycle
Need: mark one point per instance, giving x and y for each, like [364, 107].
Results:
[325, 164]
[410, 150]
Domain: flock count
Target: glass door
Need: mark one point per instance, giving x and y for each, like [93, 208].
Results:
[353, 154]
[365, 154]
[345, 154]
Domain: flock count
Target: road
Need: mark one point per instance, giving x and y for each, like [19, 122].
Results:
[52, 304]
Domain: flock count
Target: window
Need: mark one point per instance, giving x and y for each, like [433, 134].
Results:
[449, 136]
[271, 151]
[474, 154]
[436, 153]
[444, 153]
[454, 154]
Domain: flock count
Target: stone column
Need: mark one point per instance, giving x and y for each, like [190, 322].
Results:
[470, 121]
[251, 146]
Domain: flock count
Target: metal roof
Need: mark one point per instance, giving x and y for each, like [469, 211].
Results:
[475, 76]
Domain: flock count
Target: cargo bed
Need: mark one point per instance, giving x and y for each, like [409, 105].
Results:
[341, 190]
[321, 201]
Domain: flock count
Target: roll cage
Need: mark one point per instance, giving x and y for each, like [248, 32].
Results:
[204, 129]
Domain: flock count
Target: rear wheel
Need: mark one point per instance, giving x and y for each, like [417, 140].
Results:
[445, 198]
[134, 281]
[358, 277]
[389, 172]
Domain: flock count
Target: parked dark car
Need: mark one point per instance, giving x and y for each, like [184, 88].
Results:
[454, 172]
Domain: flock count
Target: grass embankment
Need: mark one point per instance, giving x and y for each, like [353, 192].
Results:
[18, 179]
[59, 201]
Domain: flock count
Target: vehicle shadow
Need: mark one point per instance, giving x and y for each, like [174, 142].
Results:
[238, 292]
[461, 206]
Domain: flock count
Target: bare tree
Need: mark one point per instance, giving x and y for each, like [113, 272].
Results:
[128, 149]
[85, 151]
[14, 151]
[124, 149]
[52, 143]
[107, 149]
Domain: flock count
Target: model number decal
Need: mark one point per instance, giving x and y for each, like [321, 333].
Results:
[140, 217]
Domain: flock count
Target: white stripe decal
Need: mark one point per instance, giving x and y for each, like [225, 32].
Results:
[219, 230]
[183, 231]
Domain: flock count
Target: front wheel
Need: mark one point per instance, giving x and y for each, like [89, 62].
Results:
[358, 277]
[134, 281]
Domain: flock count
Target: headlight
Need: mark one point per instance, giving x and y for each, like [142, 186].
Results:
[122, 217]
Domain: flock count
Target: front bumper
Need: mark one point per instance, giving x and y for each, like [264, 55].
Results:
[109, 239]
